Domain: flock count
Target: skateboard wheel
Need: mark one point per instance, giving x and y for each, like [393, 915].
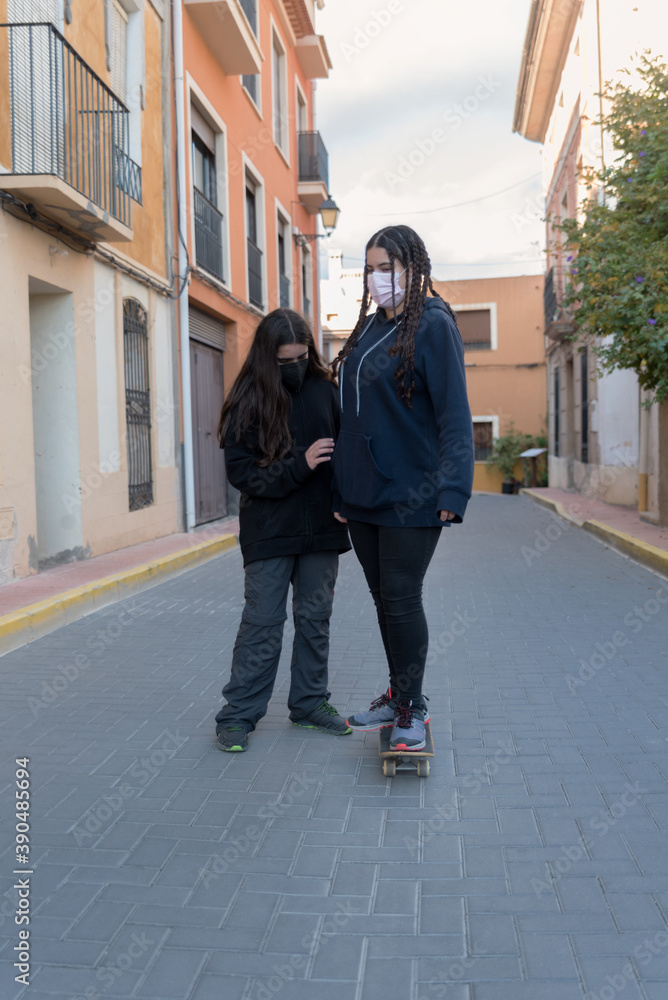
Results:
[423, 768]
[389, 767]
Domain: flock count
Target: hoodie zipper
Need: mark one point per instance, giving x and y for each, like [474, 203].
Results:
[359, 367]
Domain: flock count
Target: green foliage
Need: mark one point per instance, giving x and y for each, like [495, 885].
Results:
[507, 450]
[618, 247]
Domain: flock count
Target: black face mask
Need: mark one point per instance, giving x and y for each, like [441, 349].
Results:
[293, 374]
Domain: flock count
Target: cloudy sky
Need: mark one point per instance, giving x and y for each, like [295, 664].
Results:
[417, 116]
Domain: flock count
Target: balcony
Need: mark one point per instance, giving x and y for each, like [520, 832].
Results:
[558, 324]
[255, 296]
[65, 136]
[208, 235]
[313, 180]
[229, 27]
[313, 56]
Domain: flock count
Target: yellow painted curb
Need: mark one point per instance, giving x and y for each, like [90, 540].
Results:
[36, 620]
[643, 552]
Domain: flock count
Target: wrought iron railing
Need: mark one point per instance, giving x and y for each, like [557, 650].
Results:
[249, 7]
[313, 158]
[66, 122]
[208, 235]
[255, 275]
[284, 291]
[550, 300]
[137, 405]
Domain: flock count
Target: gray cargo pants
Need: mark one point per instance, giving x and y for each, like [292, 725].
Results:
[259, 640]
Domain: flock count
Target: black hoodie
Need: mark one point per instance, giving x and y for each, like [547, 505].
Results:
[286, 508]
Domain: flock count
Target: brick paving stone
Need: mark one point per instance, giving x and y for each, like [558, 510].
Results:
[530, 762]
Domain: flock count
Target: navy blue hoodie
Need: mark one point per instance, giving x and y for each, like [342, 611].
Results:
[393, 464]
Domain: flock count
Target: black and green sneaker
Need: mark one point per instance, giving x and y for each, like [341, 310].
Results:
[233, 738]
[326, 719]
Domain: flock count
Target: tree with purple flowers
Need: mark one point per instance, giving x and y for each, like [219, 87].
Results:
[618, 292]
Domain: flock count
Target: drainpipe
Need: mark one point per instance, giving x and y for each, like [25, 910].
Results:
[642, 457]
[184, 329]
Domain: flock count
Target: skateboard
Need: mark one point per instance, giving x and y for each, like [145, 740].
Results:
[405, 760]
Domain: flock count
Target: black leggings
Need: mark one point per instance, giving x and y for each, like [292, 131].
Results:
[395, 561]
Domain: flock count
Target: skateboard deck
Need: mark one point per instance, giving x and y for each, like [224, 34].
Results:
[405, 760]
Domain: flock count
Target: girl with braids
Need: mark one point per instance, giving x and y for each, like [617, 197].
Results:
[403, 463]
[278, 426]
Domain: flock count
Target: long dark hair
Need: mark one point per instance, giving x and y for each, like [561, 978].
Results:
[403, 244]
[258, 402]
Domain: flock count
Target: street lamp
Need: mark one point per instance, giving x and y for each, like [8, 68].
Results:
[329, 215]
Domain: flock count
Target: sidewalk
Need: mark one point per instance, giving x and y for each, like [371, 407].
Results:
[620, 527]
[36, 605]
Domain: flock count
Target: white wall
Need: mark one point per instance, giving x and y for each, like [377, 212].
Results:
[107, 371]
[55, 426]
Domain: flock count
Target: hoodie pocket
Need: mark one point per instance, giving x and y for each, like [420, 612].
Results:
[358, 478]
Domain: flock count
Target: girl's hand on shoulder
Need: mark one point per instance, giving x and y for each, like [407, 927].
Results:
[320, 451]
[446, 515]
[343, 520]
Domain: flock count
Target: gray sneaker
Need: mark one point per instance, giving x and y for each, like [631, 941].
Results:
[408, 732]
[379, 716]
[326, 719]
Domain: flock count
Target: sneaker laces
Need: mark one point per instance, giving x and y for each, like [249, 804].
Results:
[384, 699]
[329, 709]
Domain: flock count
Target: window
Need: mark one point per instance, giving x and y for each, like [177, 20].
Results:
[279, 96]
[251, 83]
[207, 219]
[284, 269]
[483, 439]
[302, 112]
[306, 282]
[584, 455]
[255, 291]
[137, 404]
[475, 326]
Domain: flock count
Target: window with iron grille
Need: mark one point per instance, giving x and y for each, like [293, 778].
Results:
[483, 439]
[475, 326]
[137, 404]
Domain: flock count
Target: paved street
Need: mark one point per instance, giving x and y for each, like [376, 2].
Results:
[531, 865]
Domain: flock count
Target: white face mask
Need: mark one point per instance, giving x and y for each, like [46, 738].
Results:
[380, 288]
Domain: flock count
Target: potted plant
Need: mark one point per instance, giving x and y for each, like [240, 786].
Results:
[505, 453]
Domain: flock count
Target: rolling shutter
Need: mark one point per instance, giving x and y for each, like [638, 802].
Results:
[206, 329]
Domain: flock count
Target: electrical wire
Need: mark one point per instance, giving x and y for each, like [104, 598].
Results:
[459, 204]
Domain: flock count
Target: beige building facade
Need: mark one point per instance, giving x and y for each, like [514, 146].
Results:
[89, 437]
[602, 441]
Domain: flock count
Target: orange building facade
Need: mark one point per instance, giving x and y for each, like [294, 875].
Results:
[501, 322]
[256, 175]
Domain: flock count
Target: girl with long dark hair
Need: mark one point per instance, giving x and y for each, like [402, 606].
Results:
[278, 426]
[403, 463]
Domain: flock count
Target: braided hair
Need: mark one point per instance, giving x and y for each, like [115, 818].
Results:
[403, 244]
